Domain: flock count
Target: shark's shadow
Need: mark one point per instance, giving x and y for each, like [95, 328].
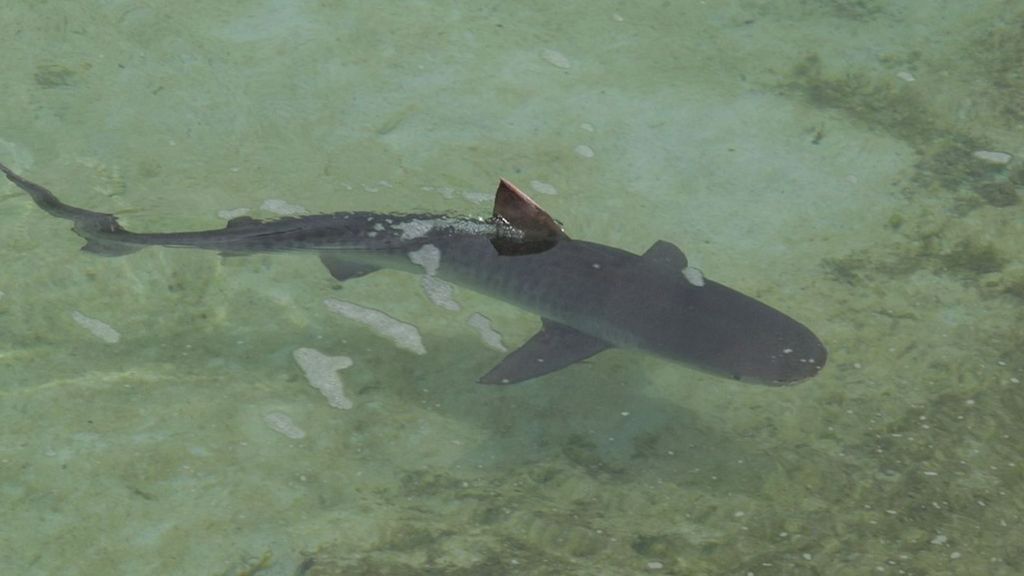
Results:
[605, 417]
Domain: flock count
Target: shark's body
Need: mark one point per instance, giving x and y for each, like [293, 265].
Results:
[590, 296]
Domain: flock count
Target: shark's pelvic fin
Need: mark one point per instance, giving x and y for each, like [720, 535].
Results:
[553, 348]
[343, 269]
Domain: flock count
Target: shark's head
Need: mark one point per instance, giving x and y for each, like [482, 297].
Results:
[677, 314]
[725, 332]
[756, 343]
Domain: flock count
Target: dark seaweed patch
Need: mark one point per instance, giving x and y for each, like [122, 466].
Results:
[886, 104]
[973, 258]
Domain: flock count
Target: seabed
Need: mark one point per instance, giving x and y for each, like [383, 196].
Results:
[856, 164]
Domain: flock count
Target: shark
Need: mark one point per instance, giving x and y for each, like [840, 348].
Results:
[590, 296]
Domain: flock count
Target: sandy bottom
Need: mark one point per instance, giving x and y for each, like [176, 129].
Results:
[819, 155]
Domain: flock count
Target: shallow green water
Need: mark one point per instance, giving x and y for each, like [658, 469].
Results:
[816, 154]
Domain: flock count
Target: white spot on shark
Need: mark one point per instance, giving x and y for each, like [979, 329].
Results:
[418, 228]
[694, 276]
[428, 256]
[439, 291]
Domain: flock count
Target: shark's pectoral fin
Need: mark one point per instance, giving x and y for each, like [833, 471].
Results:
[103, 247]
[553, 348]
[345, 269]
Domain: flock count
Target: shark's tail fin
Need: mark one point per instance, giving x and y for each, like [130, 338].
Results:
[103, 234]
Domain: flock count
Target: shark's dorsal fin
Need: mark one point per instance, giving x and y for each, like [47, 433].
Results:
[553, 348]
[539, 231]
[103, 247]
[343, 269]
[665, 255]
[523, 212]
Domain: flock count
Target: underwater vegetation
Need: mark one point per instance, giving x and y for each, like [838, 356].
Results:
[887, 104]
[955, 173]
[1000, 55]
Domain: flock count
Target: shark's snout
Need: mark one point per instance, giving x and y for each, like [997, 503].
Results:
[793, 355]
